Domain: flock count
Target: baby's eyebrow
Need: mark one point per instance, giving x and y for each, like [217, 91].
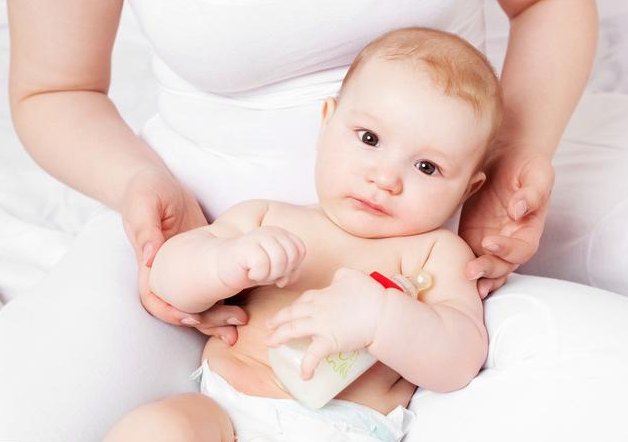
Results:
[364, 114]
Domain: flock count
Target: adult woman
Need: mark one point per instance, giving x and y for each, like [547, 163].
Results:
[59, 77]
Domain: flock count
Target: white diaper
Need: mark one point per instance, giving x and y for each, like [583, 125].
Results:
[260, 419]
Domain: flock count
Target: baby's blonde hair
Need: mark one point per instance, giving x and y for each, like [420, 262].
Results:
[452, 63]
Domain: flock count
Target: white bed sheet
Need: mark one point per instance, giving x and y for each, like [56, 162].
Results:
[40, 217]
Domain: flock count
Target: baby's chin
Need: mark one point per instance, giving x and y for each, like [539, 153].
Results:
[366, 226]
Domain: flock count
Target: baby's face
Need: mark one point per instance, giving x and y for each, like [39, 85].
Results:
[396, 156]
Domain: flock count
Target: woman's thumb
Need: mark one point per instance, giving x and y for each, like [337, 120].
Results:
[152, 243]
[148, 236]
[536, 182]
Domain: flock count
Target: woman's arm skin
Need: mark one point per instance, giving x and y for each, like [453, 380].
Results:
[550, 52]
[59, 79]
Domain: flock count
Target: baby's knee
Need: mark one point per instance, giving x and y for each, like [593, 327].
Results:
[185, 418]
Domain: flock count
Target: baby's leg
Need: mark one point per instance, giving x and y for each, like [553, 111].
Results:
[185, 418]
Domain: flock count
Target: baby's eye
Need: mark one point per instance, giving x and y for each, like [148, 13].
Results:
[427, 167]
[368, 138]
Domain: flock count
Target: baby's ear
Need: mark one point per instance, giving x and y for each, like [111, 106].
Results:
[329, 107]
[475, 183]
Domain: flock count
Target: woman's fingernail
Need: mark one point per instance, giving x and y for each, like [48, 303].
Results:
[520, 209]
[147, 252]
[189, 321]
[483, 292]
[224, 340]
[492, 247]
[478, 275]
[234, 321]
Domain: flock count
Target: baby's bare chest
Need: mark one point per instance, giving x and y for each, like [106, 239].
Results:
[329, 248]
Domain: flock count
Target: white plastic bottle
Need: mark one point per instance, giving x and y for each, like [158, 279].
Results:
[336, 371]
[332, 375]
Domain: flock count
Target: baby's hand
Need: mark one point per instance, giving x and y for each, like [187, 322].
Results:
[341, 317]
[266, 255]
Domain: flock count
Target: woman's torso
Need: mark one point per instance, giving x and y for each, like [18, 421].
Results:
[241, 83]
[246, 366]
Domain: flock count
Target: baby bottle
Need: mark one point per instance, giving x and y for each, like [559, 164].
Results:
[336, 371]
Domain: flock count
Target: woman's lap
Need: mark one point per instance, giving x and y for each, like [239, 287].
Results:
[556, 370]
[78, 350]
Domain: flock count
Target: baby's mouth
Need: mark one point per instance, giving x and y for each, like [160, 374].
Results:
[370, 207]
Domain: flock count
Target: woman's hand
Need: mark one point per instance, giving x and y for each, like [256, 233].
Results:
[504, 220]
[156, 207]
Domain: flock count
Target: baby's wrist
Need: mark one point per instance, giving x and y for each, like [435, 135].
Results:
[228, 271]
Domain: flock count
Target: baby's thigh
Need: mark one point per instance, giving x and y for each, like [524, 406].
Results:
[184, 418]
[78, 351]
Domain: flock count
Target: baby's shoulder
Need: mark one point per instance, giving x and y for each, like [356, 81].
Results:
[280, 212]
[416, 250]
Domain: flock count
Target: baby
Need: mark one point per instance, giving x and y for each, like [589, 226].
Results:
[400, 148]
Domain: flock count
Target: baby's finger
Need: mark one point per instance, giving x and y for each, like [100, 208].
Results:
[258, 264]
[317, 350]
[516, 250]
[291, 249]
[298, 328]
[282, 282]
[277, 256]
[298, 242]
[290, 313]
[488, 266]
[342, 272]
[307, 296]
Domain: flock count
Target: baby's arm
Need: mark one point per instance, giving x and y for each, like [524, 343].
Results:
[195, 269]
[440, 342]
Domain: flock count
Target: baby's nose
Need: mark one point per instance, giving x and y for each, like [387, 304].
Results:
[387, 178]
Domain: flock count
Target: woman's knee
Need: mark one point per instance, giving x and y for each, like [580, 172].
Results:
[186, 418]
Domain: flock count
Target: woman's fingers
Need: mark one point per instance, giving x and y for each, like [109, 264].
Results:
[228, 333]
[486, 286]
[222, 315]
[488, 266]
[166, 312]
[142, 224]
[515, 250]
[536, 181]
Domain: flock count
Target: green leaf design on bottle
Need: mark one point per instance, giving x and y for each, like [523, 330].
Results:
[341, 363]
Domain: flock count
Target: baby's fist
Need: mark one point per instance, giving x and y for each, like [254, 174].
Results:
[265, 255]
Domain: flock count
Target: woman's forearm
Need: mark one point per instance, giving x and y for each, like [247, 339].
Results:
[549, 57]
[80, 138]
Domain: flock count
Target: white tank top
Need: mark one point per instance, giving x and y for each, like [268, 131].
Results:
[241, 83]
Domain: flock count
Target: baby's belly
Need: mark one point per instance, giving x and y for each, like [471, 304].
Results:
[246, 367]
